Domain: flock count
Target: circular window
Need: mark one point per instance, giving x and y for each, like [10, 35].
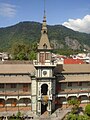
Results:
[44, 72]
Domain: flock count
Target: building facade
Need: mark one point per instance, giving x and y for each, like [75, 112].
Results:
[73, 82]
[15, 86]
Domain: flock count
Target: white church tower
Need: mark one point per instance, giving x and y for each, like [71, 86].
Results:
[43, 85]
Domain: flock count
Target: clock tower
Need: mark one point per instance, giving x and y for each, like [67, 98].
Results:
[43, 85]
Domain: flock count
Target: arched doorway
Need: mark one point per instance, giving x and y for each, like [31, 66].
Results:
[44, 89]
[44, 102]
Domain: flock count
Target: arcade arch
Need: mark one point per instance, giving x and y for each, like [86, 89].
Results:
[24, 101]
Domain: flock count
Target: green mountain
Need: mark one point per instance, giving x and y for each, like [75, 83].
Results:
[59, 36]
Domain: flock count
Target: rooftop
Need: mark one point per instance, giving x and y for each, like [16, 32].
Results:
[73, 61]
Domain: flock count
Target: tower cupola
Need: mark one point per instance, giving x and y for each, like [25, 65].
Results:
[44, 41]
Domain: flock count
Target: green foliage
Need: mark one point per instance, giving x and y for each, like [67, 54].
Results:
[75, 103]
[18, 114]
[75, 109]
[83, 117]
[72, 117]
[77, 117]
[87, 109]
[32, 55]
[21, 56]
[23, 51]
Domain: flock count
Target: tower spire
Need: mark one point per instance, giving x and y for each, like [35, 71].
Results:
[44, 41]
[44, 7]
[44, 27]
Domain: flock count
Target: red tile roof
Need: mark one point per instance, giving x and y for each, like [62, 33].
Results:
[73, 61]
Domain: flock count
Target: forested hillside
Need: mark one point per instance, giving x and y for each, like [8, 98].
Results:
[29, 32]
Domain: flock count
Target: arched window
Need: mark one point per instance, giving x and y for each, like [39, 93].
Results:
[45, 46]
[44, 89]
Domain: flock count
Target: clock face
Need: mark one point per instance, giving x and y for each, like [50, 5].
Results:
[44, 72]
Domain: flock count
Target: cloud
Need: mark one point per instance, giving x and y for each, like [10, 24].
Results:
[7, 10]
[81, 25]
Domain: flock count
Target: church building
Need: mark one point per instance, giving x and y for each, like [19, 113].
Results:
[44, 85]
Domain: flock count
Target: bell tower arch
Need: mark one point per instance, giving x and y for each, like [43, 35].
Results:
[44, 89]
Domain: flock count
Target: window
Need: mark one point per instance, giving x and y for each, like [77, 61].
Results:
[13, 85]
[1, 85]
[42, 57]
[45, 46]
[80, 84]
[69, 84]
[44, 31]
[39, 106]
[88, 83]
[49, 92]
[25, 87]
[49, 105]
[47, 56]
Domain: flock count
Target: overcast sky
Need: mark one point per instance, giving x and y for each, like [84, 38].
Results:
[74, 14]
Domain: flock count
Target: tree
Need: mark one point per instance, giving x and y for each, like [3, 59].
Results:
[87, 109]
[21, 56]
[32, 55]
[75, 103]
[23, 51]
